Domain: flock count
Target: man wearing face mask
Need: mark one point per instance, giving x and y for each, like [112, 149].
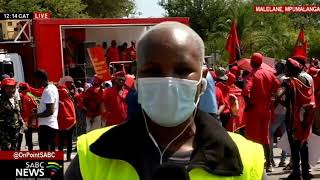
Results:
[169, 138]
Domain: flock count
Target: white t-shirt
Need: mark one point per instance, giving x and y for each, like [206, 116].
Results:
[50, 95]
[280, 110]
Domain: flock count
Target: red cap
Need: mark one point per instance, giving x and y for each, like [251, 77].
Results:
[257, 58]
[8, 82]
[313, 71]
[25, 85]
[295, 63]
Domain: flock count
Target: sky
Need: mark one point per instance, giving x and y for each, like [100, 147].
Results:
[149, 8]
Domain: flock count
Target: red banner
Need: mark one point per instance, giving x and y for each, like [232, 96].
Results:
[99, 62]
[31, 155]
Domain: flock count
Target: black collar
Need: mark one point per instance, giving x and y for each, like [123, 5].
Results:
[215, 152]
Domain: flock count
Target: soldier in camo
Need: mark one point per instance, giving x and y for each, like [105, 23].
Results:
[10, 118]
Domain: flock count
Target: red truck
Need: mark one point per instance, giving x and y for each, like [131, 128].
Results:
[59, 46]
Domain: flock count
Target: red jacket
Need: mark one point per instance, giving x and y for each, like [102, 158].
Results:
[28, 105]
[133, 53]
[79, 99]
[260, 86]
[115, 106]
[92, 101]
[67, 112]
[225, 94]
[113, 54]
[237, 106]
[303, 110]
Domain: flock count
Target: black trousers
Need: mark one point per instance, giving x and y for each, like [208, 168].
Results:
[28, 137]
[66, 135]
[47, 137]
[299, 151]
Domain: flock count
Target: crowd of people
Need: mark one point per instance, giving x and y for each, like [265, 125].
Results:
[58, 112]
[178, 111]
[122, 52]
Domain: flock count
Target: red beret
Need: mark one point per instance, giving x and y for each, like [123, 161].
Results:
[295, 63]
[8, 82]
[257, 58]
[25, 85]
[235, 70]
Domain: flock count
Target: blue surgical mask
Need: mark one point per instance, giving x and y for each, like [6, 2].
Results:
[168, 101]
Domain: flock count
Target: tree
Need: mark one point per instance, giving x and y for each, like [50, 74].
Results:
[58, 8]
[110, 8]
[272, 34]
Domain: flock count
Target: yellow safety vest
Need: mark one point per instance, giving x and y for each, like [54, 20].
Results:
[93, 167]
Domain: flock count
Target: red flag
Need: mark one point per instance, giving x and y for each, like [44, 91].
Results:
[300, 49]
[233, 46]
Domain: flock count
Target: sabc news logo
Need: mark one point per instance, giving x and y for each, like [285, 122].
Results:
[39, 169]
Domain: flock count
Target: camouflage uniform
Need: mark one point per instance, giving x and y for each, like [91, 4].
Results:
[10, 123]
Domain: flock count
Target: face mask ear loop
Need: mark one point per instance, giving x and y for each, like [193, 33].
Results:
[155, 142]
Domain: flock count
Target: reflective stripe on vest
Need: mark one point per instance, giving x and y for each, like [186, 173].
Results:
[94, 167]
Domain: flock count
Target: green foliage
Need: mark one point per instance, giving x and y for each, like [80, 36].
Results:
[110, 8]
[272, 34]
[72, 8]
[58, 8]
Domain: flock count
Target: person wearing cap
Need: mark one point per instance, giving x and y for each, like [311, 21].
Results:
[237, 105]
[10, 118]
[28, 106]
[236, 71]
[222, 86]
[66, 115]
[300, 104]
[92, 103]
[261, 85]
[114, 101]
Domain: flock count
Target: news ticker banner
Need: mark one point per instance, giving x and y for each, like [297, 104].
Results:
[17, 16]
[31, 165]
[287, 9]
[99, 62]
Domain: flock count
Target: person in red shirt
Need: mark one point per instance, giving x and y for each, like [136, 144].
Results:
[299, 100]
[92, 103]
[133, 51]
[66, 119]
[114, 101]
[28, 106]
[221, 84]
[125, 56]
[237, 105]
[81, 120]
[113, 54]
[261, 85]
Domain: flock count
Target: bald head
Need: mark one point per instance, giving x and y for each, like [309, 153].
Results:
[170, 49]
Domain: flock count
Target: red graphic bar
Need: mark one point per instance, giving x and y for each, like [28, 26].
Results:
[31, 155]
[286, 9]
